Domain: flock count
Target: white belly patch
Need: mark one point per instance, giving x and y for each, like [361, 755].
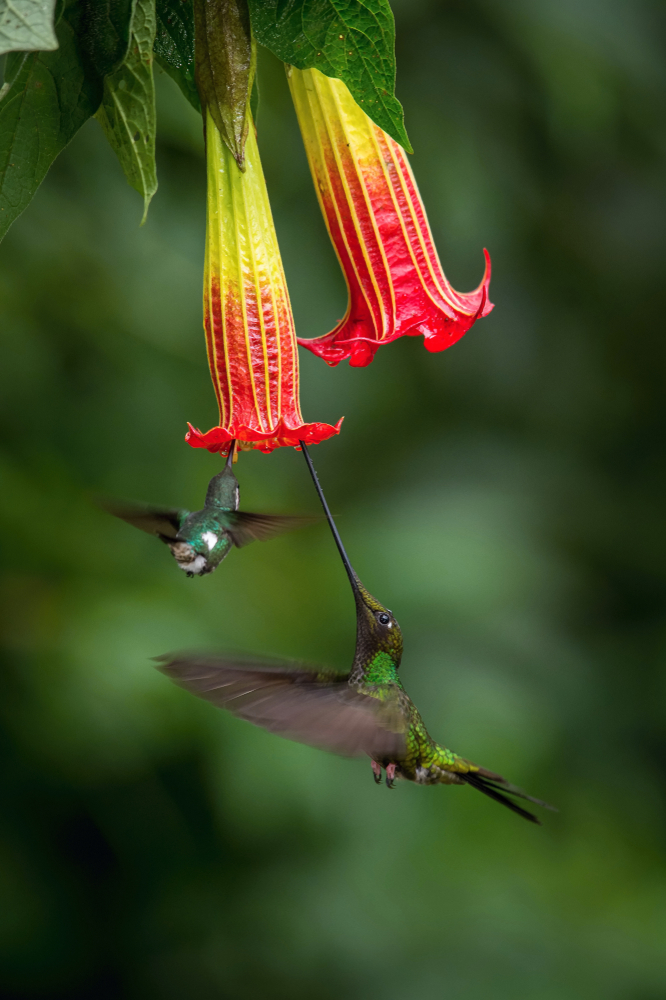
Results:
[210, 538]
[196, 566]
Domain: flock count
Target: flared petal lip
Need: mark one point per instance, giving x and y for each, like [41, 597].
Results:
[333, 349]
[217, 439]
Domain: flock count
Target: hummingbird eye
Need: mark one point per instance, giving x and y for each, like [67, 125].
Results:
[384, 619]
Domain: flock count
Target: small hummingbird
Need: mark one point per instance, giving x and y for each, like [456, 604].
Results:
[365, 711]
[199, 541]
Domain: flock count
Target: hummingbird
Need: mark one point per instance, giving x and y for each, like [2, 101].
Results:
[200, 540]
[363, 711]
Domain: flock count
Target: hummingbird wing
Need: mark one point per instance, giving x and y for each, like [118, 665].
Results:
[299, 703]
[245, 528]
[164, 522]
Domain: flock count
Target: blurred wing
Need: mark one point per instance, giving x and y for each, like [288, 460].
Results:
[245, 528]
[295, 703]
[164, 522]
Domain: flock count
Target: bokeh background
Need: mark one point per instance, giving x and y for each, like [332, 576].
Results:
[506, 498]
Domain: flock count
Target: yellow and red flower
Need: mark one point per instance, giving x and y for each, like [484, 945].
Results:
[248, 321]
[378, 225]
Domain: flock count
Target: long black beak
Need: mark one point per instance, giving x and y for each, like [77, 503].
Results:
[353, 579]
[230, 457]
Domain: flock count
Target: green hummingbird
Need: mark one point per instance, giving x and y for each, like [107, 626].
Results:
[365, 711]
[200, 540]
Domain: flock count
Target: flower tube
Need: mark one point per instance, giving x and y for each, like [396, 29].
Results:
[248, 321]
[377, 222]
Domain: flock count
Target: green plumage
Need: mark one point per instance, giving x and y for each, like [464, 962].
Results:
[364, 711]
[200, 540]
[381, 681]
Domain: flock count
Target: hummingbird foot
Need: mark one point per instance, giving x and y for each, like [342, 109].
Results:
[376, 772]
[390, 775]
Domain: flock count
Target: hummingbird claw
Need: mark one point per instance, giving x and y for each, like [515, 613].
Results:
[189, 575]
[376, 772]
[390, 775]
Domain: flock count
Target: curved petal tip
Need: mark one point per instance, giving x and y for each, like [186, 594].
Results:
[217, 439]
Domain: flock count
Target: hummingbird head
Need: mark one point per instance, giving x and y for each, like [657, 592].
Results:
[377, 631]
[376, 628]
[223, 488]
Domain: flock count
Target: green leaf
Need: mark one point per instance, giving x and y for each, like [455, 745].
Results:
[254, 100]
[49, 97]
[352, 40]
[104, 28]
[127, 112]
[174, 45]
[13, 63]
[225, 63]
[27, 26]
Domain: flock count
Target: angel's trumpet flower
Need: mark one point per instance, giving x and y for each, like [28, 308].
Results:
[249, 326]
[379, 229]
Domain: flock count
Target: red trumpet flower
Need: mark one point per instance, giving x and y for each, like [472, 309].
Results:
[378, 225]
[248, 321]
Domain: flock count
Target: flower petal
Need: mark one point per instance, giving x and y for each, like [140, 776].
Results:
[250, 335]
[377, 222]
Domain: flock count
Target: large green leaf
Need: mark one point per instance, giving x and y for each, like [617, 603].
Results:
[27, 26]
[104, 28]
[48, 97]
[352, 40]
[127, 112]
[174, 45]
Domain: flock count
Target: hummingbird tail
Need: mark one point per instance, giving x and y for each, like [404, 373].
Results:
[498, 790]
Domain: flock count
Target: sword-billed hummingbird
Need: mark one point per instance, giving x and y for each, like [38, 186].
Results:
[199, 541]
[365, 711]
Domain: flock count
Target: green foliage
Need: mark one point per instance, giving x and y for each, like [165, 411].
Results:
[505, 498]
[352, 40]
[49, 97]
[105, 32]
[225, 58]
[104, 67]
[254, 100]
[174, 45]
[127, 112]
[27, 26]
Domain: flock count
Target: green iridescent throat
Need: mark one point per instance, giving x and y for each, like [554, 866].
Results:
[382, 670]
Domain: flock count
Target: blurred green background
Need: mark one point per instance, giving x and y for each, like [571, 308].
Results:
[506, 498]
